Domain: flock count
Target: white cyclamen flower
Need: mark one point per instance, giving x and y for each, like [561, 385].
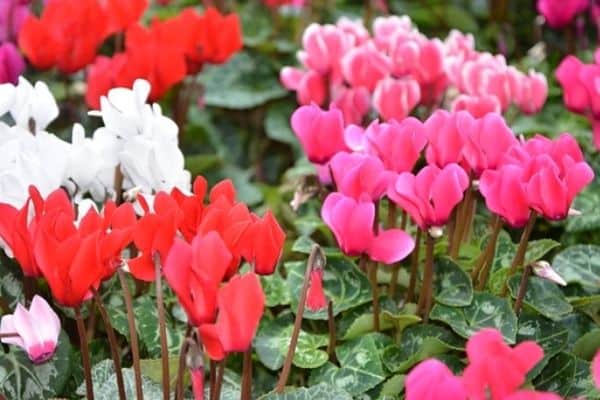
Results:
[29, 106]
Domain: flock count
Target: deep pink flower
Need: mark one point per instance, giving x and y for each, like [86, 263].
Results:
[432, 380]
[559, 13]
[12, 15]
[488, 355]
[360, 175]
[37, 328]
[577, 92]
[323, 47]
[596, 369]
[309, 85]
[431, 195]
[352, 224]
[530, 92]
[397, 144]
[447, 136]
[532, 395]
[365, 66]
[320, 132]
[478, 106]
[396, 98]
[505, 193]
[12, 64]
[354, 103]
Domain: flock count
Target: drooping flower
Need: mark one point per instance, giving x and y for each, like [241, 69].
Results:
[395, 98]
[430, 196]
[310, 86]
[315, 297]
[559, 13]
[241, 304]
[505, 193]
[352, 224]
[37, 328]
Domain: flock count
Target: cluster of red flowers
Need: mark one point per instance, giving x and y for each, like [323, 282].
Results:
[200, 247]
[69, 33]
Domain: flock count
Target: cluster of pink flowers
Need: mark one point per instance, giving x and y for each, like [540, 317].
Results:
[580, 92]
[398, 68]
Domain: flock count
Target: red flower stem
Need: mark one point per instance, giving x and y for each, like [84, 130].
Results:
[331, 327]
[425, 297]
[452, 230]
[522, 289]
[85, 355]
[521, 250]
[316, 257]
[164, 349]
[392, 214]
[212, 379]
[181, 366]
[375, 290]
[247, 375]
[468, 227]
[414, 269]
[135, 350]
[219, 381]
[114, 347]
[481, 271]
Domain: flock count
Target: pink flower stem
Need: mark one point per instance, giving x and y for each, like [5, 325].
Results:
[316, 257]
[164, 349]
[521, 250]
[522, 289]
[135, 350]
[414, 269]
[425, 297]
[114, 346]
[85, 355]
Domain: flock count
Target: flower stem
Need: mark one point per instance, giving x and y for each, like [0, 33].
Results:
[219, 380]
[164, 349]
[404, 220]
[414, 269]
[391, 223]
[331, 327]
[118, 183]
[375, 290]
[181, 366]
[425, 297]
[247, 375]
[114, 347]
[522, 289]
[521, 250]
[9, 335]
[85, 355]
[135, 351]
[481, 271]
[316, 257]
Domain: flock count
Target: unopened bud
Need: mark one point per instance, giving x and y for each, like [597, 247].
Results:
[543, 269]
[574, 213]
[435, 232]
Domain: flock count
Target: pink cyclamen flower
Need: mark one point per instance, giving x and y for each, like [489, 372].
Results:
[433, 380]
[477, 106]
[365, 66]
[505, 193]
[531, 92]
[320, 132]
[360, 175]
[323, 47]
[396, 98]
[397, 144]
[488, 354]
[487, 140]
[559, 13]
[38, 329]
[309, 85]
[12, 64]
[12, 15]
[352, 224]
[354, 103]
[447, 136]
[431, 195]
[578, 84]
[532, 395]
[596, 369]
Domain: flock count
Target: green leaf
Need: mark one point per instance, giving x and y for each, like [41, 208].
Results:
[20, 379]
[11, 287]
[273, 340]
[256, 24]
[361, 368]
[486, 311]
[577, 325]
[304, 245]
[246, 81]
[418, 343]
[543, 296]
[583, 386]
[152, 368]
[275, 289]
[552, 336]
[105, 383]
[394, 385]
[587, 345]
[343, 283]
[559, 375]
[506, 250]
[277, 123]
[453, 285]
[387, 320]
[588, 202]
[579, 264]
[321, 391]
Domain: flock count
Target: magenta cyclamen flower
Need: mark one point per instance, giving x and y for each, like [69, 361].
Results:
[477, 106]
[505, 193]
[310, 86]
[360, 175]
[12, 64]
[559, 13]
[433, 380]
[320, 132]
[431, 195]
[396, 98]
[352, 224]
[37, 328]
[12, 15]
[446, 135]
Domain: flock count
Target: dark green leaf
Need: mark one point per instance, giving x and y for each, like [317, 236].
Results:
[453, 285]
[321, 391]
[588, 345]
[543, 296]
[579, 264]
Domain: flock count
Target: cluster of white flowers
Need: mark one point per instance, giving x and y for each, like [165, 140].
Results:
[136, 138]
